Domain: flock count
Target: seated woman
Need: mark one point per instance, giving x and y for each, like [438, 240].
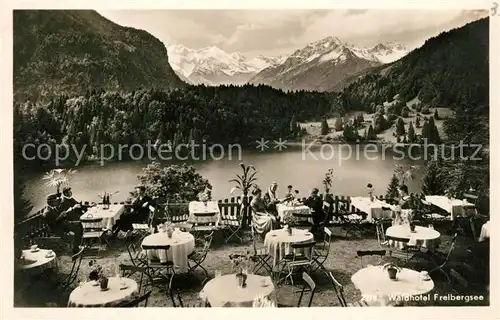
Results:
[315, 202]
[262, 220]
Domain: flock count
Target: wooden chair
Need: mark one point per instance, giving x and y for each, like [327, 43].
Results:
[136, 255]
[66, 280]
[381, 234]
[154, 267]
[406, 253]
[141, 230]
[260, 256]
[232, 221]
[298, 260]
[440, 266]
[200, 228]
[136, 302]
[94, 232]
[368, 253]
[339, 292]
[197, 257]
[322, 251]
[308, 282]
[128, 270]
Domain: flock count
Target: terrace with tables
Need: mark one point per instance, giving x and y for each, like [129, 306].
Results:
[205, 254]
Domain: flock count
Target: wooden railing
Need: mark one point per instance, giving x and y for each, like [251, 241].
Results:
[230, 208]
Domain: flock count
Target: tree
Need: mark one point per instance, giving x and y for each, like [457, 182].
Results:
[433, 132]
[426, 132]
[350, 133]
[392, 189]
[338, 124]
[432, 181]
[293, 124]
[174, 183]
[324, 127]
[417, 122]
[436, 114]
[371, 135]
[400, 127]
[412, 137]
[405, 113]
[379, 121]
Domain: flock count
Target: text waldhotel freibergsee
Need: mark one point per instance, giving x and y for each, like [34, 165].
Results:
[202, 151]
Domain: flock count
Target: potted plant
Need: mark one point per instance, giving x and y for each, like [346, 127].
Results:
[289, 220]
[328, 180]
[97, 274]
[392, 270]
[239, 262]
[244, 182]
[58, 178]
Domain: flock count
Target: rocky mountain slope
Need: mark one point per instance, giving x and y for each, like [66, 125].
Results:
[324, 64]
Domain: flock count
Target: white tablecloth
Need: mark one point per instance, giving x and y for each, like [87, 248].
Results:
[454, 207]
[88, 295]
[224, 291]
[199, 207]
[40, 260]
[278, 242]
[374, 281]
[485, 232]
[423, 237]
[373, 209]
[181, 245]
[109, 215]
[285, 210]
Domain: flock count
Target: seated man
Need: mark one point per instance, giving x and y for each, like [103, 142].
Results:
[69, 204]
[58, 222]
[139, 212]
[271, 199]
[315, 202]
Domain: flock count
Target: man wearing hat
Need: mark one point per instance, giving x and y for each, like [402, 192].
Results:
[139, 213]
[58, 223]
[69, 205]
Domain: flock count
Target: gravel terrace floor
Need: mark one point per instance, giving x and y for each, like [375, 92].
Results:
[469, 259]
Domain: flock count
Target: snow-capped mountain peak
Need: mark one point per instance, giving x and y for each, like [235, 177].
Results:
[213, 66]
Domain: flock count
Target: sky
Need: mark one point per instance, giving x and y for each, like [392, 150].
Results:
[276, 32]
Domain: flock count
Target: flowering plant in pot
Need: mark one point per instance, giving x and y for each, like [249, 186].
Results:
[290, 220]
[239, 262]
[97, 273]
[392, 270]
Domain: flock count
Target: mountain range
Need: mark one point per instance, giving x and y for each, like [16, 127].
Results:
[73, 51]
[213, 66]
[321, 65]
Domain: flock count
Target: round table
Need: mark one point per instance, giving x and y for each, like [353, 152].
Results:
[89, 295]
[181, 245]
[278, 241]
[374, 281]
[422, 237]
[41, 260]
[224, 291]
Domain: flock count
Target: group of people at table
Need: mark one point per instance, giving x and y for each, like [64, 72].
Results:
[265, 214]
[64, 214]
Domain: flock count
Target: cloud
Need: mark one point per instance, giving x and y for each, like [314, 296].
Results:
[283, 31]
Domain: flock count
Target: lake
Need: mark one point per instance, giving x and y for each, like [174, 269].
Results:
[301, 167]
